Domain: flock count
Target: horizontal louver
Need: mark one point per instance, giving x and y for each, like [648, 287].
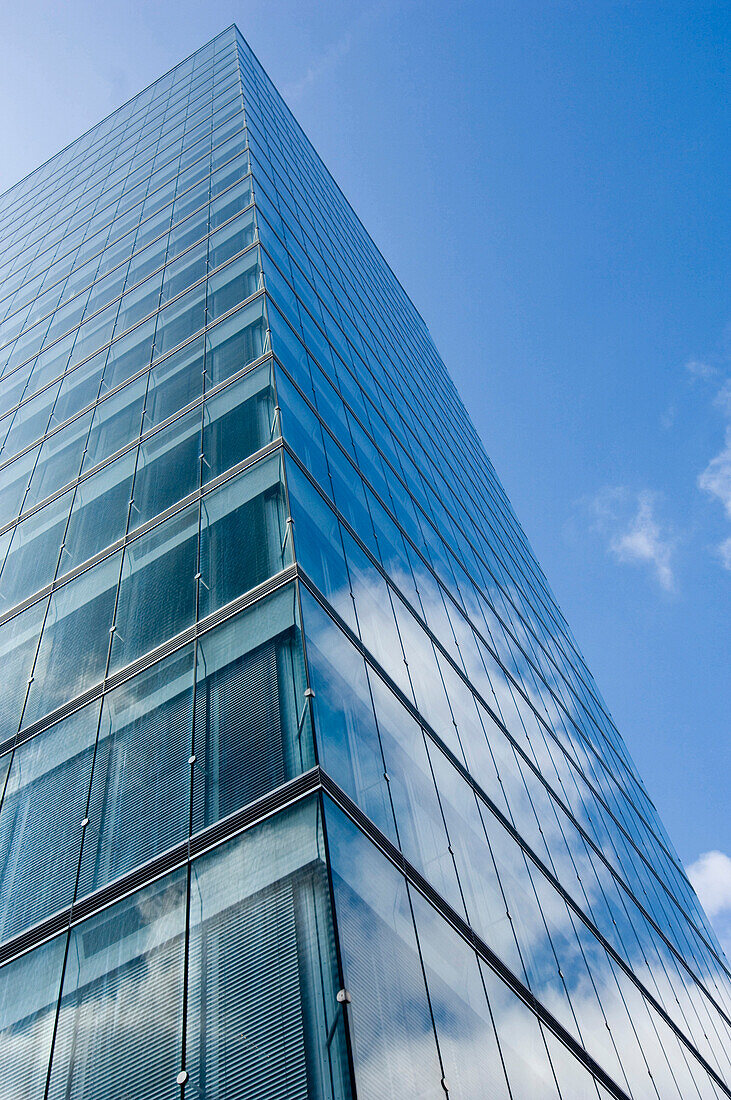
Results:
[246, 1037]
[140, 792]
[120, 1035]
[40, 822]
[240, 715]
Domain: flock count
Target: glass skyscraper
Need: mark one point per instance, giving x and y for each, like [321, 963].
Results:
[306, 788]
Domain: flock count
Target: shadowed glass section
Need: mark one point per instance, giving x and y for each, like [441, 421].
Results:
[103, 791]
[251, 727]
[262, 1015]
[43, 806]
[226, 967]
[28, 997]
[140, 788]
[119, 1016]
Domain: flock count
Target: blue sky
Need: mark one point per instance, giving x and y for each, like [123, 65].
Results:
[549, 181]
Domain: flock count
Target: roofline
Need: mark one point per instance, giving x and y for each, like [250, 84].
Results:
[231, 26]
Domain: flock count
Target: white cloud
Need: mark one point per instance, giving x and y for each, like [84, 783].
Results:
[644, 541]
[635, 533]
[716, 478]
[327, 60]
[723, 398]
[698, 369]
[710, 877]
[724, 553]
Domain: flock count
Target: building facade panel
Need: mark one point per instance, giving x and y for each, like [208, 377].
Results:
[306, 787]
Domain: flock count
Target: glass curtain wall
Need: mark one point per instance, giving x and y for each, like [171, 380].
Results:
[161, 933]
[305, 787]
[534, 931]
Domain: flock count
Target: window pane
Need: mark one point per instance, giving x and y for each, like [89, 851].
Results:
[59, 460]
[180, 319]
[350, 748]
[157, 590]
[129, 355]
[250, 735]
[237, 421]
[230, 203]
[262, 969]
[18, 642]
[33, 554]
[75, 643]
[302, 430]
[242, 534]
[467, 1040]
[234, 343]
[232, 284]
[117, 420]
[183, 272]
[232, 238]
[394, 1049]
[99, 514]
[29, 423]
[521, 1040]
[140, 787]
[174, 383]
[168, 467]
[29, 989]
[40, 821]
[138, 303]
[79, 388]
[14, 480]
[119, 1023]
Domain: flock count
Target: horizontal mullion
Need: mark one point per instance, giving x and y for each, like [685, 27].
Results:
[147, 660]
[198, 844]
[127, 290]
[150, 432]
[105, 247]
[137, 532]
[140, 373]
[109, 243]
[63, 167]
[150, 194]
[593, 749]
[524, 621]
[174, 157]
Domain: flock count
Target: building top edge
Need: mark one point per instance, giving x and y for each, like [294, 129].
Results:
[131, 99]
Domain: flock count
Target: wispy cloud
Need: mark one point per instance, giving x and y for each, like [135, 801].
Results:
[635, 534]
[710, 877]
[646, 541]
[332, 55]
[724, 553]
[723, 398]
[668, 417]
[698, 368]
[317, 68]
[716, 478]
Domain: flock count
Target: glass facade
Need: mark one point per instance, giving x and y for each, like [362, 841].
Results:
[306, 790]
